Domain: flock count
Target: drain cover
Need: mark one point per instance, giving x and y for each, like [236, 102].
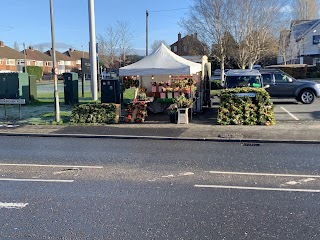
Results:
[230, 135]
[250, 144]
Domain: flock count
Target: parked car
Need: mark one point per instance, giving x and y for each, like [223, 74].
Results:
[283, 85]
[243, 78]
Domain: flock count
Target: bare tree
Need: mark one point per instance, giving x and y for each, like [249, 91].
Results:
[108, 45]
[211, 20]
[305, 9]
[283, 45]
[254, 28]
[16, 46]
[125, 39]
[156, 44]
[117, 40]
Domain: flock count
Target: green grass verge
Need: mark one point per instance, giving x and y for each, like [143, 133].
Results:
[42, 112]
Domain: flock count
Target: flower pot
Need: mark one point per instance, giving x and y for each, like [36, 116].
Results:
[183, 116]
[173, 117]
[163, 95]
[154, 89]
[175, 94]
[169, 95]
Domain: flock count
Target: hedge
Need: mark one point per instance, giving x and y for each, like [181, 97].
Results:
[236, 110]
[94, 113]
[35, 70]
[298, 71]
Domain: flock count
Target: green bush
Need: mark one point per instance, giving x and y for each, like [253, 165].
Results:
[236, 110]
[94, 113]
[216, 84]
[35, 70]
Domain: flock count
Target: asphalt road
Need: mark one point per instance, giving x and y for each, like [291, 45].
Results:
[64, 188]
[291, 110]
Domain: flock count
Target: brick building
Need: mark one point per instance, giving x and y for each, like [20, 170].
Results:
[189, 46]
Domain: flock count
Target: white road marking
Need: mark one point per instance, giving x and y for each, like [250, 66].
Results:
[186, 174]
[259, 188]
[35, 180]
[168, 176]
[179, 175]
[291, 115]
[13, 205]
[290, 183]
[266, 174]
[44, 165]
[299, 182]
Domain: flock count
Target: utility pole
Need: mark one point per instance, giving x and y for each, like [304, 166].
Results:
[25, 58]
[54, 68]
[93, 51]
[147, 16]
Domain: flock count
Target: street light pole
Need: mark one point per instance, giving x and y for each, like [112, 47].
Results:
[54, 69]
[147, 31]
[93, 51]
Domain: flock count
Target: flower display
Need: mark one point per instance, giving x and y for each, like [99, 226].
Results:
[245, 110]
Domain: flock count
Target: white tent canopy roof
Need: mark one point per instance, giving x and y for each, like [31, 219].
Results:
[161, 62]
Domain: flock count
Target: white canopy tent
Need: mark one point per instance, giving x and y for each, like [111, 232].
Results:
[161, 62]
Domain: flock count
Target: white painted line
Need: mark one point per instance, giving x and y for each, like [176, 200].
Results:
[299, 182]
[35, 180]
[186, 174]
[13, 205]
[44, 165]
[291, 115]
[259, 188]
[266, 174]
[168, 176]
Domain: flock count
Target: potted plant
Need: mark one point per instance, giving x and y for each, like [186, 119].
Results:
[154, 87]
[173, 113]
[169, 92]
[183, 104]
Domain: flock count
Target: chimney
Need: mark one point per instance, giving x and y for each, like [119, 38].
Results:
[30, 48]
[1, 44]
[179, 36]
[195, 35]
[70, 50]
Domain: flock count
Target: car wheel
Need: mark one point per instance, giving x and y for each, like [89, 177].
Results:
[307, 96]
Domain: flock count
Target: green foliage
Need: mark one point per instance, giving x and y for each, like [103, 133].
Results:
[216, 84]
[35, 70]
[94, 113]
[236, 110]
[182, 101]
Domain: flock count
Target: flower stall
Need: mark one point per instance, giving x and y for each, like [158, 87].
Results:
[163, 76]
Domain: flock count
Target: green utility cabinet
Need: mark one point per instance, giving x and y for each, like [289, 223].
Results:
[14, 86]
[33, 88]
[71, 94]
[110, 90]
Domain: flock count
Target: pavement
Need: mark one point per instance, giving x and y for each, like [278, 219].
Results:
[201, 128]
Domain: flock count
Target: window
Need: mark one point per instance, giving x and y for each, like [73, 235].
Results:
[61, 63]
[185, 48]
[1, 61]
[175, 48]
[39, 63]
[49, 64]
[78, 61]
[20, 62]
[279, 77]
[266, 78]
[10, 62]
